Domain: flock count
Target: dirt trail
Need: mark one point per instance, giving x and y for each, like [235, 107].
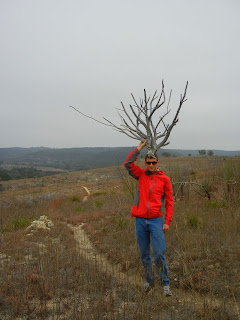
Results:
[87, 249]
[88, 194]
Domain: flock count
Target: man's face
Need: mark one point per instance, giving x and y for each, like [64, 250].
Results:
[151, 164]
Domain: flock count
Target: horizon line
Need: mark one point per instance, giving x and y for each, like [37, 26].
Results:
[111, 147]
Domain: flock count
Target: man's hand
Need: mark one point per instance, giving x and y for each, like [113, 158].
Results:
[165, 227]
[142, 145]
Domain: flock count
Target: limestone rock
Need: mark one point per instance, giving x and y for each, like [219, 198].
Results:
[43, 223]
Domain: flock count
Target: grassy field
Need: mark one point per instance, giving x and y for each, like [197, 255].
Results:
[47, 275]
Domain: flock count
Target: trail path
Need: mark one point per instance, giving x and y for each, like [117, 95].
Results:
[88, 194]
[87, 249]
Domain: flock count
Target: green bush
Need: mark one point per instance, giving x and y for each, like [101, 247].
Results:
[98, 203]
[75, 199]
[121, 223]
[194, 221]
[20, 223]
[100, 193]
[214, 204]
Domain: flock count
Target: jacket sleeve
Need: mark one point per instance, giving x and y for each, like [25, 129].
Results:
[168, 201]
[131, 167]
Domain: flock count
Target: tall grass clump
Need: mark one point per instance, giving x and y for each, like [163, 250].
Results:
[194, 221]
[21, 223]
[121, 222]
[75, 199]
[98, 203]
[100, 193]
[231, 179]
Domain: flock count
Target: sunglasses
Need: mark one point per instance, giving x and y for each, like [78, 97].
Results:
[151, 162]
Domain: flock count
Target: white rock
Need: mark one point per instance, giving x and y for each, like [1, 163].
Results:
[42, 223]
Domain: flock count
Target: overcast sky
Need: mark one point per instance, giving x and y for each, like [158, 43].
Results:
[93, 54]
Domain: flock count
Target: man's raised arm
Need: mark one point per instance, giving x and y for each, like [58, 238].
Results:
[129, 164]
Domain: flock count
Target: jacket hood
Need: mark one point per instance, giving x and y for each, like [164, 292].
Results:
[148, 172]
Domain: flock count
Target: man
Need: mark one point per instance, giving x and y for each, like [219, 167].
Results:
[153, 187]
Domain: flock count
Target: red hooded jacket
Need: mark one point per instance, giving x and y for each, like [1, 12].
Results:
[152, 189]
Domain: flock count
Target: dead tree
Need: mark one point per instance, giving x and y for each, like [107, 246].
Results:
[142, 123]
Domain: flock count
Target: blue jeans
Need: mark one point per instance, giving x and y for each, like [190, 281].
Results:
[153, 227]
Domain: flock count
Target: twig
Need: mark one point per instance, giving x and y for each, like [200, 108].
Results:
[182, 184]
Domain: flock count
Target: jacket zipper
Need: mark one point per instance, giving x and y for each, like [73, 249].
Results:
[149, 195]
[154, 184]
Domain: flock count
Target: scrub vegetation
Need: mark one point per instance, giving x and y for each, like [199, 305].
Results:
[45, 275]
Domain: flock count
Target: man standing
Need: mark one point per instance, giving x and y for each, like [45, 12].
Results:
[153, 187]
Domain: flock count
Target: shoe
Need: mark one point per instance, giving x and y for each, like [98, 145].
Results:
[167, 291]
[147, 286]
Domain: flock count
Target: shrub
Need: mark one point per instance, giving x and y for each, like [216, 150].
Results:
[194, 221]
[100, 193]
[75, 199]
[20, 223]
[214, 204]
[121, 223]
[98, 203]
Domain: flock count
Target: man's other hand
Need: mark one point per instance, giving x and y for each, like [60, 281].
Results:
[165, 227]
[142, 145]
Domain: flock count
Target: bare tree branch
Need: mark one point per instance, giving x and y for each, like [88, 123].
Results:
[182, 184]
[89, 117]
[141, 125]
[138, 121]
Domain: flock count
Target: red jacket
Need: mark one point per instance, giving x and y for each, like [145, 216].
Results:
[152, 188]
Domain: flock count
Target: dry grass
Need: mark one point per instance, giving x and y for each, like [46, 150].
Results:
[44, 276]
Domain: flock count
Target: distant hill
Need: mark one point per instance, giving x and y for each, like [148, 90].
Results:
[74, 159]
[66, 158]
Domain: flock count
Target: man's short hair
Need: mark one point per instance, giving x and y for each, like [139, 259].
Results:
[155, 156]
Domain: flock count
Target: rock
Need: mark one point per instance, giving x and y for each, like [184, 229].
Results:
[37, 224]
[43, 223]
[49, 224]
